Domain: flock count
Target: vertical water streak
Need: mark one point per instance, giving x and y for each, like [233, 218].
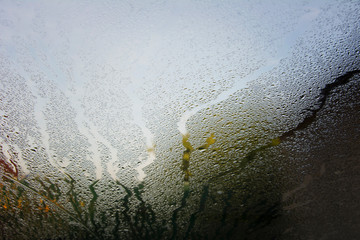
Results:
[40, 106]
[139, 120]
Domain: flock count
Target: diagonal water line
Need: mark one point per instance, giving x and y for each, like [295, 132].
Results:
[284, 51]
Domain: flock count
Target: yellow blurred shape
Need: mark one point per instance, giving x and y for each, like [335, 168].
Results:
[275, 141]
[211, 140]
[186, 156]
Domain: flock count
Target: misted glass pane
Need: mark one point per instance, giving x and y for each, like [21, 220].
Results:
[179, 119]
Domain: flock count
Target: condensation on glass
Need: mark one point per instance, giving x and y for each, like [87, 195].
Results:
[179, 119]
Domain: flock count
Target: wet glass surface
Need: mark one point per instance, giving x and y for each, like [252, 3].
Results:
[179, 120]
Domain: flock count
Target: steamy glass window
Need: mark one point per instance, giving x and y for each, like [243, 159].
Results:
[179, 119]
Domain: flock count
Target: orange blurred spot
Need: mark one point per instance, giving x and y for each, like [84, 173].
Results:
[46, 209]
